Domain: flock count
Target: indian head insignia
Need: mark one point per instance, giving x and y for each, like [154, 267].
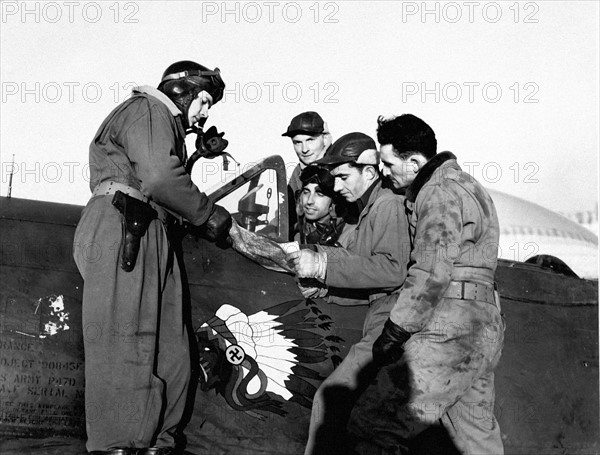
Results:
[259, 361]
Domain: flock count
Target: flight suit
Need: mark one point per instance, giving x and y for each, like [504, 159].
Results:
[449, 305]
[137, 359]
[366, 272]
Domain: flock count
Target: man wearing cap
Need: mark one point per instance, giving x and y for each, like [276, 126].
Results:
[310, 138]
[137, 352]
[444, 337]
[370, 269]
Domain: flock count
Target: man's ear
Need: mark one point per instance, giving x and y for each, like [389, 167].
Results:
[372, 170]
[418, 160]
[327, 140]
[332, 209]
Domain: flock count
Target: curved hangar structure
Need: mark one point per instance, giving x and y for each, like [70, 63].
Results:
[528, 230]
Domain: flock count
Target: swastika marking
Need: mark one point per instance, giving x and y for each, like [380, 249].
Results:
[235, 354]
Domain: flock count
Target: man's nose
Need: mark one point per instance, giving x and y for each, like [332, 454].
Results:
[204, 110]
[385, 171]
[311, 199]
[337, 186]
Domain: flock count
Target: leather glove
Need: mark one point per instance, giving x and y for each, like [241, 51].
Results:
[218, 224]
[313, 293]
[309, 264]
[389, 347]
[311, 289]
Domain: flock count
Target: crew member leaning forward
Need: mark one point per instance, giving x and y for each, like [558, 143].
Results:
[367, 271]
[444, 337]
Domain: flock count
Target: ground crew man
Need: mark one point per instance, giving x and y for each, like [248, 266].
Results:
[319, 223]
[310, 138]
[445, 334]
[372, 265]
[137, 361]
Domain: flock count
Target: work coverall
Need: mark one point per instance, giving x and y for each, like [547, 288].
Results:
[446, 371]
[367, 271]
[137, 360]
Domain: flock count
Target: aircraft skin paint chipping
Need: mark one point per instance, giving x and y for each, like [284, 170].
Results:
[58, 315]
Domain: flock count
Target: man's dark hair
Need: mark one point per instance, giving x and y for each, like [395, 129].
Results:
[408, 134]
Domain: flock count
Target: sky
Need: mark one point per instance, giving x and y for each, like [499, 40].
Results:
[511, 88]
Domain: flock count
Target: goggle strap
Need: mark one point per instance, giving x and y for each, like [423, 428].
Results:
[181, 74]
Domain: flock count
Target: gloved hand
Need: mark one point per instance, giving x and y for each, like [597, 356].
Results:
[308, 264]
[389, 347]
[218, 224]
[311, 289]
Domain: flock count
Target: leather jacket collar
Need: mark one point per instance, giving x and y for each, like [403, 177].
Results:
[425, 174]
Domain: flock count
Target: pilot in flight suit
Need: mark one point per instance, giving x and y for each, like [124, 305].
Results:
[137, 358]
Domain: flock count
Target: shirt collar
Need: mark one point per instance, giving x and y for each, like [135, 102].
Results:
[363, 201]
[159, 96]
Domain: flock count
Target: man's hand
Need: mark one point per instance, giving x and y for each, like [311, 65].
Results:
[218, 224]
[311, 289]
[308, 264]
[389, 347]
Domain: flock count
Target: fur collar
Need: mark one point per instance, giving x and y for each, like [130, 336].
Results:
[425, 174]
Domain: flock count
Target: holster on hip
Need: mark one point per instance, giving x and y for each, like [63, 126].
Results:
[137, 216]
